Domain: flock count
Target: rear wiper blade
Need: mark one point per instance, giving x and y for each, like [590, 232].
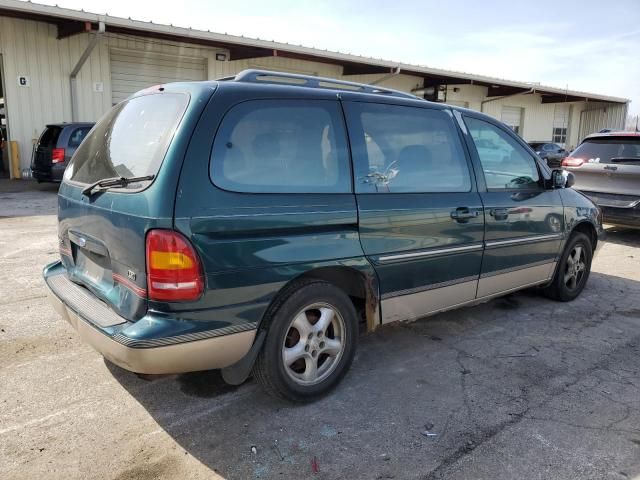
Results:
[114, 182]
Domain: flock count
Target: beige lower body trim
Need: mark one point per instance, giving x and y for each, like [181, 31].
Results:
[420, 304]
[207, 354]
[508, 281]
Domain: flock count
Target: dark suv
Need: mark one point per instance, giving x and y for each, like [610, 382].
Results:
[56, 145]
[552, 153]
[260, 222]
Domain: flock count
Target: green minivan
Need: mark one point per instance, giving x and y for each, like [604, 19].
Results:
[259, 223]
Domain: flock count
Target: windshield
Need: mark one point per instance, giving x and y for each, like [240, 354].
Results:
[131, 140]
[603, 150]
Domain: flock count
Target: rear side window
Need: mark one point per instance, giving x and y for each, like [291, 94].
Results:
[401, 149]
[282, 146]
[49, 137]
[609, 150]
[76, 137]
[131, 140]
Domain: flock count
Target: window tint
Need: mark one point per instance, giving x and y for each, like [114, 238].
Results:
[506, 164]
[282, 146]
[609, 150]
[49, 137]
[76, 137]
[131, 140]
[406, 149]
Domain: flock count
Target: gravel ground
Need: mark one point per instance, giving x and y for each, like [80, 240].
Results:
[520, 387]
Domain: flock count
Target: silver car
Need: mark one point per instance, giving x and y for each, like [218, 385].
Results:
[606, 167]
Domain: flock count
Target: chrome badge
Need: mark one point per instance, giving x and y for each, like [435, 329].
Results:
[82, 241]
[131, 274]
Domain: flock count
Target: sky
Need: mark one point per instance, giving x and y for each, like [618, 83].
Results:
[588, 45]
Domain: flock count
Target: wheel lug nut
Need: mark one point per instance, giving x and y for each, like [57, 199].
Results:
[321, 344]
[310, 336]
[319, 334]
[306, 348]
[314, 353]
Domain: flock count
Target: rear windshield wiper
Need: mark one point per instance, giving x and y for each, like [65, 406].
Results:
[119, 182]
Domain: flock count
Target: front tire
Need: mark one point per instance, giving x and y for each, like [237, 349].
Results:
[311, 341]
[573, 269]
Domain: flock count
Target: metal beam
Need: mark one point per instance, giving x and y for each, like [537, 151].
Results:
[392, 74]
[74, 73]
[526, 92]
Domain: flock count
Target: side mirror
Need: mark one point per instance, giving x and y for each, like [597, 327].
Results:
[562, 179]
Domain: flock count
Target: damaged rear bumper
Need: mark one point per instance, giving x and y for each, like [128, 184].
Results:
[177, 354]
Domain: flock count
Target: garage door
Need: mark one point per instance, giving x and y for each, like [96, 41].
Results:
[133, 70]
[512, 116]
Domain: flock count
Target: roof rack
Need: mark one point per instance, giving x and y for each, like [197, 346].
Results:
[295, 79]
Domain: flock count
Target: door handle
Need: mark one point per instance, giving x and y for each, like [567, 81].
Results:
[463, 214]
[499, 213]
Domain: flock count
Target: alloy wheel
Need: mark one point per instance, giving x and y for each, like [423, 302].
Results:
[314, 344]
[575, 267]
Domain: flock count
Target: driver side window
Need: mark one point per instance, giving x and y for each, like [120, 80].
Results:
[506, 164]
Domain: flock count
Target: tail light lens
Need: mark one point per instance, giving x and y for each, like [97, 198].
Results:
[174, 272]
[572, 162]
[57, 155]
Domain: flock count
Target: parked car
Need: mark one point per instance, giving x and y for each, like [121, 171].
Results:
[54, 149]
[607, 169]
[552, 153]
[255, 224]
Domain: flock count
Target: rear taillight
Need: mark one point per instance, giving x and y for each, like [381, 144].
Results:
[57, 155]
[572, 162]
[174, 272]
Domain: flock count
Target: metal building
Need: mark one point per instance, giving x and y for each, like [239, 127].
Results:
[59, 64]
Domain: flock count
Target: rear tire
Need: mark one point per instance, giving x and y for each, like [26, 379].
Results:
[573, 269]
[310, 344]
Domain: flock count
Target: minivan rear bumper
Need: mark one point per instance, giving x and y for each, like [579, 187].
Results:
[187, 356]
[55, 173]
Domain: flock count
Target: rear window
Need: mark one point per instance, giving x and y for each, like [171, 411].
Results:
[129, 141]
[76, 137]
[282, 146]
[609, 150]
[49, 137]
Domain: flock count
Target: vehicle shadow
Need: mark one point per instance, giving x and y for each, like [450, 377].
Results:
[465, 375]
[628, 237]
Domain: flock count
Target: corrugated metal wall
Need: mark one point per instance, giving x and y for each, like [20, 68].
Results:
[31, 48]
[601, 115]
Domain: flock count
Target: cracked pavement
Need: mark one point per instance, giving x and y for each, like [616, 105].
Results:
[519, 387]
